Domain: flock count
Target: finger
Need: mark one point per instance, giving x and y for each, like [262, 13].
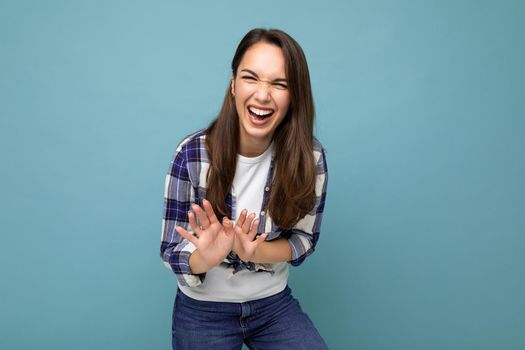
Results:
[227, 224]
[193, 223]
[201, 215]
[242, 218]
[242, 238]
[260, 239]
[185, 234]
[228, 227]
[253, 230]
[209, 211]
[248, 222]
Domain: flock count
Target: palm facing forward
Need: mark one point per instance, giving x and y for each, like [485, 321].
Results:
[213, 242]
[244, 231]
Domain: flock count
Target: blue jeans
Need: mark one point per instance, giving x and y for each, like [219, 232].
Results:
[273, 323]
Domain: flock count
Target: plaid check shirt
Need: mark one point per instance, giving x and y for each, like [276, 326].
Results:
[186, 184]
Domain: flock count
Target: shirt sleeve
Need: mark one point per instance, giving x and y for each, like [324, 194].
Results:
[305, 234]
[178, 197]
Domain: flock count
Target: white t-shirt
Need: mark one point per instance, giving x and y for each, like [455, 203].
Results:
[220, 283]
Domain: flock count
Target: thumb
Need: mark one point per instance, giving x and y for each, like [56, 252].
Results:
[261, 238]
[228, 225]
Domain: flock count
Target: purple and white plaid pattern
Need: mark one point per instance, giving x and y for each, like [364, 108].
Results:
[186, 184]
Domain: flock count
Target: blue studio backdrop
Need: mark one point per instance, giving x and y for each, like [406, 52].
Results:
[420, 105]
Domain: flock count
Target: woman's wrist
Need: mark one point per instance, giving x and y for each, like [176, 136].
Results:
[197, 264]
[274, 251]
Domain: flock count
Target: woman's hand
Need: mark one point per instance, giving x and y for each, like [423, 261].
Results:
[244, 231]
[213, 242]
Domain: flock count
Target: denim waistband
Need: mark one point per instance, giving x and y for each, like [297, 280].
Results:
[230, 307]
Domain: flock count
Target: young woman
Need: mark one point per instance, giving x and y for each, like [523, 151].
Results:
[244, 199]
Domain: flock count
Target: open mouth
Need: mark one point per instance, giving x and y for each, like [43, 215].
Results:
[260, 113]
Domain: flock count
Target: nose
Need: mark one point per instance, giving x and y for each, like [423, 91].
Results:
[263, 91]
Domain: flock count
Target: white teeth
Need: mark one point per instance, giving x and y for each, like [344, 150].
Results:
[260, 112]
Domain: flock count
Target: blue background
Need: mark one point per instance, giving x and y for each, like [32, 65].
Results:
[421, 107]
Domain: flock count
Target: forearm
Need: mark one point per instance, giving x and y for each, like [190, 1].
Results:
[274, 251]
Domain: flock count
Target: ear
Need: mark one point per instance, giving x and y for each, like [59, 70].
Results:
[233, 85]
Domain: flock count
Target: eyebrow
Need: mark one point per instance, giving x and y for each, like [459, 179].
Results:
[255, 74]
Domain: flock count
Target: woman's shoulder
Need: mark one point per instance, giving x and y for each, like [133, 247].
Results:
[319, 155]
[195, 140]
[318, 146]
[319, 150]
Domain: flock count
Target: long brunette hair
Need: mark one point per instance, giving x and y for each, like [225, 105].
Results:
[293, 186]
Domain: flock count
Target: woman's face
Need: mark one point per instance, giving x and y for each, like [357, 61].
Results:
[261, 96]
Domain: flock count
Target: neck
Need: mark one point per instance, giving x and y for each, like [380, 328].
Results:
[253, 148]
